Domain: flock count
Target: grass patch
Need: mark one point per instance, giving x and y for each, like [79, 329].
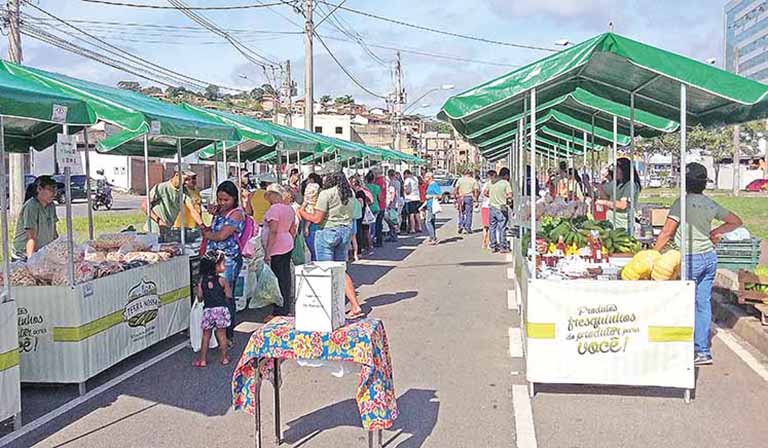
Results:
[753, 209]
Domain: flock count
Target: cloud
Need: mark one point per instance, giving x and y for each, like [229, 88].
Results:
[586, 13]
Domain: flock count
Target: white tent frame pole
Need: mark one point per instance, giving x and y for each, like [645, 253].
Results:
[226, 162]
[683, 199]
[584, 153]
[4, 218]
[146, 180]
[521, 157]
[594, 168]
[70, 237]
[239, 167]
[631, 211]
[533, 178]
[181, 197]
[88, 182]
[215, 169]
[615, 167]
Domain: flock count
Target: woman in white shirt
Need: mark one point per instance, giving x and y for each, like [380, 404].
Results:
[485, 205]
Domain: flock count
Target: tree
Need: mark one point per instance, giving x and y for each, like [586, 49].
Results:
[212, 92]
[129, 85]
[173, 92]
[257, 93]
[152, 90]
[344, 100]
[269, 90]
[325, 99]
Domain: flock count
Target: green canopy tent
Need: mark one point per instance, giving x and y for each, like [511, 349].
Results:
[149, 126]
[622, 70]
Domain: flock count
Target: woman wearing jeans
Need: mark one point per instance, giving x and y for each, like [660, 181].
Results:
[280, 227]
[433, 193]
[333, 213]
[700, 255]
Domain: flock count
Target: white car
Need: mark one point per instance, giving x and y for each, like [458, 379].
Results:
[654, 182]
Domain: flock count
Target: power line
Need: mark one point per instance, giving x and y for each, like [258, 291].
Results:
[346, 72]
[112, 48]
[162, 27]
[330, 13]
[200, 8]
[435, 30]
[242, 49]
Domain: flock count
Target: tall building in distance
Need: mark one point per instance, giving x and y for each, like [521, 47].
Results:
[746, 38]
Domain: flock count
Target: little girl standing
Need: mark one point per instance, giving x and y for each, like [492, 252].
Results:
[214, 291]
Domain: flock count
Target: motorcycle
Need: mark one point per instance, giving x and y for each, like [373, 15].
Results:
[102, 197]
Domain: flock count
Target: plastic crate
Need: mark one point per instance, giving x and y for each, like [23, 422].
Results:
[735, 255]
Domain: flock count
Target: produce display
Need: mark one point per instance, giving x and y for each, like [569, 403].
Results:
[761, 272]
[106, 255]
[575, 234]
[650, 264]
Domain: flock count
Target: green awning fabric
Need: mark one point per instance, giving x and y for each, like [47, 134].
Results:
[560, 122]
[612, 66]
[27, 106]
[137, 115]
[541, 149]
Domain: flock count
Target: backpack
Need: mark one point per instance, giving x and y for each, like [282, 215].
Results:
[249, 229]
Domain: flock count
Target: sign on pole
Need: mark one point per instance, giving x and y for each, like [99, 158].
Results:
[66, 151]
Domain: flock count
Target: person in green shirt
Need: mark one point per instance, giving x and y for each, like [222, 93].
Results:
[333, 212]
[36, 224]
[498, 193]
[163, 208]
[699, 249]
[466, 191]
[377, 228]
[619, 206]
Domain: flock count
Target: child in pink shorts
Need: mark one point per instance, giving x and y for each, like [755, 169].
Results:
[215, 292]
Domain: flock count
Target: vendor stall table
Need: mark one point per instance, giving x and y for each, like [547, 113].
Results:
[632, 333]
[363, 342]
[69, 335]
[10, 387]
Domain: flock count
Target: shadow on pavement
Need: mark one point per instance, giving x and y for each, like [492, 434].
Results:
[386, 299]
[418, 416]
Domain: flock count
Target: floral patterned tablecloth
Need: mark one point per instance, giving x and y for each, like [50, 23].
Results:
[363, 342]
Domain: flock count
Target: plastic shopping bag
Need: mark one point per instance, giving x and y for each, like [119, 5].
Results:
[299, 245]
[265, 289]
[196, 328]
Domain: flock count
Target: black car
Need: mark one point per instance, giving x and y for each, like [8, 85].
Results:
[78, 187]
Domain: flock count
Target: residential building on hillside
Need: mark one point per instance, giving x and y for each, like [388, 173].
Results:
[331, 125]
[746, 38]
[446, 151]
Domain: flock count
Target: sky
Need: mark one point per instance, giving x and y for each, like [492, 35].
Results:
[689, 27]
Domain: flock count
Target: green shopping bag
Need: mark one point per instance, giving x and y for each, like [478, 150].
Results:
[298, 255]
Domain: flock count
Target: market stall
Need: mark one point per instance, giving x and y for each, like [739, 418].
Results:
[10, 379]
[591, 317]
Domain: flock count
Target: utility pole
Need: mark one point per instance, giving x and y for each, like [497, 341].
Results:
[277, 101]
[16, 161]
[309, 102]
[399, 100]
[288, 93]
[736, 138]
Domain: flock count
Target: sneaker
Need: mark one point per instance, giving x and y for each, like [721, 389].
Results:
[702, 359]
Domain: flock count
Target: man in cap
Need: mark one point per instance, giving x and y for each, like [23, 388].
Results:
[162, 204]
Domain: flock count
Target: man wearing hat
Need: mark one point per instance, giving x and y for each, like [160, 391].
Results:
[699, 244]
[162, 203]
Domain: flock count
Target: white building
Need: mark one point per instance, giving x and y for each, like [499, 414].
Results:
[338, 126]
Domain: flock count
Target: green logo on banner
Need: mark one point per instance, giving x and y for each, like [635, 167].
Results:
[143, 304]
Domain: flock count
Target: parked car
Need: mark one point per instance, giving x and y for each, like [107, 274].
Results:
[654, 182]
[757, 185]
[446, 188]
[77, 182]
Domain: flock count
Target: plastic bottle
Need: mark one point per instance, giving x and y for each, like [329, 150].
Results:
[596, 247]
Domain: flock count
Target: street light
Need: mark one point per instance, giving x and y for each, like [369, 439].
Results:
[435, 89]
[712, 61]
[563, 43]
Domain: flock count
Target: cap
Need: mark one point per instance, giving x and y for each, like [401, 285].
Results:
[186, 170]
[696, 171]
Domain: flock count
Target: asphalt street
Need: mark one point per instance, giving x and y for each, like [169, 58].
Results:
[448, 319]
[121, 203]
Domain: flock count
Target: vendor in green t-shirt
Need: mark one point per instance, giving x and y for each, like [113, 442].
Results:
[699, 248]
[163, 206]
[36, 225]
[619, 206]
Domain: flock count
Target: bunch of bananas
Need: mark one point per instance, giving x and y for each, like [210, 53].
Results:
[619, 242]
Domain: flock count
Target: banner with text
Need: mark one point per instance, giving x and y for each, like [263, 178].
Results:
[10, 388]
[610, 332]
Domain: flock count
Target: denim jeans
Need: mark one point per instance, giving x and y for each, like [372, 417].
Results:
[701, 268]
[232, 267]
[332, 244]
[429, 223]
[378, 235]
[310, 240]
[498, 229]
[465, 218]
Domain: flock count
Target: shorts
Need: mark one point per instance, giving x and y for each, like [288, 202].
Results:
[216, 318]
[412, 207]
[485, 214]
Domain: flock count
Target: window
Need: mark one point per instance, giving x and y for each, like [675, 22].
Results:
[339, 130]
[319, 129]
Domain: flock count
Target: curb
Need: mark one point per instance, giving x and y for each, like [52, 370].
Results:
[736, 318]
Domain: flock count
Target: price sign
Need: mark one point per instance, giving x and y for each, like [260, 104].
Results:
[154, 127]
[66, 151]
[59, 113]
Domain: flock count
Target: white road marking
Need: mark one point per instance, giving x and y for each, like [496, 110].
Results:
[45, 419]
[515, 343]
[510, 273]
[514, 373]
[512, 299]
[408, 247]
[369, 262]
[510, 258]
[525, 431]
[742, 353]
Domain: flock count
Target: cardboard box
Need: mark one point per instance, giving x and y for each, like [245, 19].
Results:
[659, 217]
[320, 296]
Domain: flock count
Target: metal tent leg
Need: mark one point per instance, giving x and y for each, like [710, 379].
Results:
[531, 389]
[687, 396]
[257, 407]
[380, 437]
[17, 421]
[278, 432]
[81, 389]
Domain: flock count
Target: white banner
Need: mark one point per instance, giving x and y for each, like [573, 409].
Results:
[68, 335]
[10, 388]
[610, 332]
[66, 151]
